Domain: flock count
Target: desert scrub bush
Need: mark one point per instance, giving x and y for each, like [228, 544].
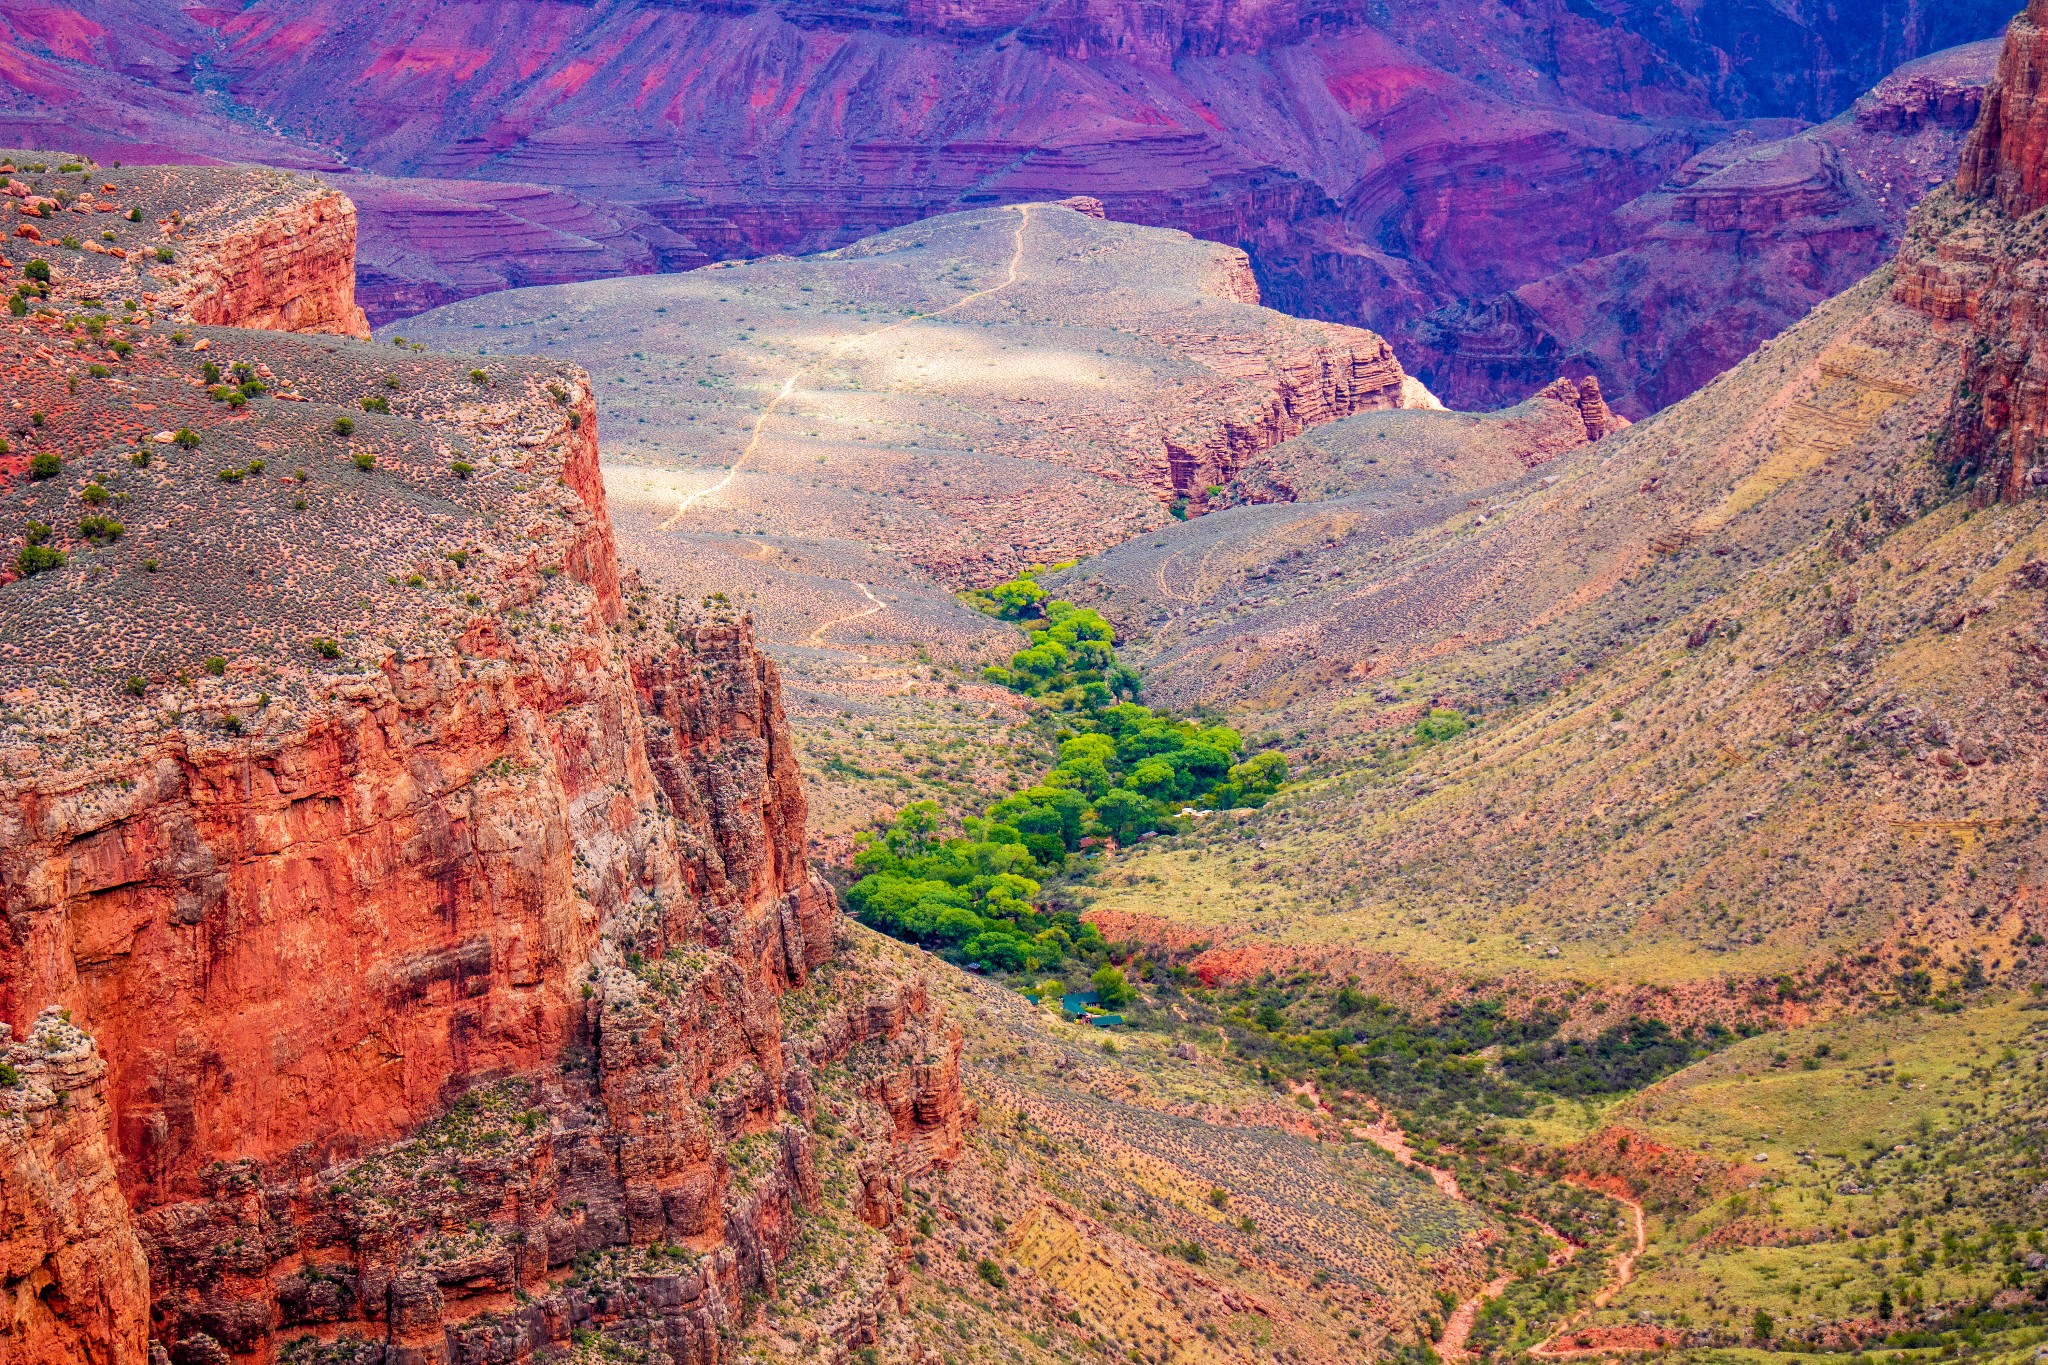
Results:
[8, 1075]
[462, 469]
[97, 529]
[991, 1273]
[186, 438]
[365, 460]
[344, 426]
[479, 377]
[37, 270]
[210, 372]
[140, 459]
[378, 404]
[70, 243]
[93, 495]
[99, 371]
[37, 555]
[216, 665]
[165, 255]
[232, 474]
[45, 464]
[325, 648]
[135, 215]
[136, 685]
[1441, 724]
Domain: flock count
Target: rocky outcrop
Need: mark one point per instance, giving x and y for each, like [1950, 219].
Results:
[1314, 374]
[1975, 258]
[1601, 420]
[74, 1287]
[431, 948]
[290, 270]
[2006, 159]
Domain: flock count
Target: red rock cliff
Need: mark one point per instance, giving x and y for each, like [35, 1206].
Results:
[1974, 258]
[76, 1283]
[478, 916]
[2006, 158]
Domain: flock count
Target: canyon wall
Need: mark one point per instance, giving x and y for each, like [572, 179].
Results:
[1732, 247]
[361, 1007]
[1379, 166]
[1974, 259]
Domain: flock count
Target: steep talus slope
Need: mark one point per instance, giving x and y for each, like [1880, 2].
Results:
[1378, 166]
[346, 778]
[1756, 682]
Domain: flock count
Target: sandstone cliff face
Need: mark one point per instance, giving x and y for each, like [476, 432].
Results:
[76, 1286]
[2006, 159]
[455, 954]
[1329, 372]
[618, 1192]
[290, 271]
[1975, 257]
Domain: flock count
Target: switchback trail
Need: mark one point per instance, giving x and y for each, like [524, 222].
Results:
[1385, 1133]
[839, 349]
[817, 637]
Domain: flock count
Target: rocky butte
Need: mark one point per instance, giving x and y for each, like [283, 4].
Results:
[407, 948]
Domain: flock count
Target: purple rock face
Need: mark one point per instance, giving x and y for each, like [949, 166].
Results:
[1499, 189]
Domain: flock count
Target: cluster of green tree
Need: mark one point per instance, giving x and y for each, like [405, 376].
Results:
[1072, 655]
[1124, 771]
[974, 897]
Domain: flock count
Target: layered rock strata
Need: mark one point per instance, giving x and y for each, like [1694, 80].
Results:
[216, 245]
[1379, 163]
[1333, 371]
[1976, 259]
[429, 892]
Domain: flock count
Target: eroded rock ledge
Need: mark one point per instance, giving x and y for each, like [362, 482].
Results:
[406, 918]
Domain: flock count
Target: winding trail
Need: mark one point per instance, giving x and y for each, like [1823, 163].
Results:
[1386, 1134]
[817, 637]
[839, 349]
